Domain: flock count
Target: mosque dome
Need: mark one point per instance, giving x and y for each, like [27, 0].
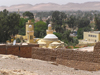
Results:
[49, 25]
[30, 26]
[50, 40]
[50, 37]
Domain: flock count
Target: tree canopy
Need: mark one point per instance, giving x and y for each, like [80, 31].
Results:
[84, 22]
[21, 26]
[40, 29]
[29, 14]
[8, 24]
[58, 21]
[71, 21]
[97, 22]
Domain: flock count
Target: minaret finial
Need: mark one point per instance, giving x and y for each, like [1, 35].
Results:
[49, 31]
[18, 11]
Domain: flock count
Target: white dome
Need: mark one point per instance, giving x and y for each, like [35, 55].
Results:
[51, 37]
[30, 26]
[49, 25]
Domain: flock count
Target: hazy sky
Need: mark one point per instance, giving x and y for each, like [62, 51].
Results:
[33, 2]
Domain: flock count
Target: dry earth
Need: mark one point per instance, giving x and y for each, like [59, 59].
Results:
[13, 65]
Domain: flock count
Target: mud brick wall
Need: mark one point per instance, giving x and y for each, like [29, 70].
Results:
[2, 49]
[21, 51]
[14, 50]
[53, 54]
[97, 52]
[75, 55]
[62, 55]
[97, 48]
[44, 54]
[25, 51]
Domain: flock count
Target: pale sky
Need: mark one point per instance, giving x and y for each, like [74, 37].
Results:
[33, 2]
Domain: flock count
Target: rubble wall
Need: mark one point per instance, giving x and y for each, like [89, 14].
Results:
[2, 49]
[21, 51]
[50, 54]
[62, 55]
[44, 54]
[97, 52]
[58, 55]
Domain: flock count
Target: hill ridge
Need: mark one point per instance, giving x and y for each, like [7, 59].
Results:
[87, 6]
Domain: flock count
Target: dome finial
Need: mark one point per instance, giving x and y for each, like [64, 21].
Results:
[49, 25]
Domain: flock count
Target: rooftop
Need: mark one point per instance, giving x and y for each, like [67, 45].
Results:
[97, 32]
[51, 36]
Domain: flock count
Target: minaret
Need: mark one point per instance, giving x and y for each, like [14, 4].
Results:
[18, 11]
[49, 31]
[30, 31]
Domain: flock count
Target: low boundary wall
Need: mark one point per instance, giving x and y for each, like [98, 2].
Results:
[19, 50]
[62, 55]
[57, 55]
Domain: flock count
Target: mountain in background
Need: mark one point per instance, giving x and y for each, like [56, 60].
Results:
[88, 6]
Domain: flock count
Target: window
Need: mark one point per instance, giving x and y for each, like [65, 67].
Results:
[89, 35]
[31, 37]
[95, 40]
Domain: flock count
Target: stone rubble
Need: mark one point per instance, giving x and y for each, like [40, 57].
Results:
[16, 72]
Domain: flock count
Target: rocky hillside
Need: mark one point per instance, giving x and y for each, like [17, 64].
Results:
[52, 6]
[16, 72]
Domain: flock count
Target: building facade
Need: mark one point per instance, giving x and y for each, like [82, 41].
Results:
[93, 36]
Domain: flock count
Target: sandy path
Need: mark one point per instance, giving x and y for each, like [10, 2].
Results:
[39, 67]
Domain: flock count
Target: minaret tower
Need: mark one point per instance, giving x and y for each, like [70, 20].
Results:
[49, 31]
[30, 32]
[18, 11]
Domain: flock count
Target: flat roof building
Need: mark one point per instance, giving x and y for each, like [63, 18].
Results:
[92, 36]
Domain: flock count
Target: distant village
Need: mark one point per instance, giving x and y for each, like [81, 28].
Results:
[75, 28]
[55, 42]
[87, 36]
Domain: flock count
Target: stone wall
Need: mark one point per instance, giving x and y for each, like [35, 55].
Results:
[58, 55]
[44, 54]
[2, 49]
[21, 51]
[51, 54]
[97, 52]
[62, 55]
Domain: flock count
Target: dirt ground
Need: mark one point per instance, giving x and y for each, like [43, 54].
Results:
[39, 67]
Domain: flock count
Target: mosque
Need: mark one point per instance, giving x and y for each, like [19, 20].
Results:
[49, 41]
[29, 37]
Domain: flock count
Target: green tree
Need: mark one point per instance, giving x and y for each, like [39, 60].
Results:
[29, 14]
[58, 19]
[71, 21]
[84, 22]
[81, 30]
[40, 29]
[48, 21]
[75, 41]
[59, 35]
[80, 33]
[97, 23]
[66, 36]
[13, 22]
[8, 24]
[21, 26]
